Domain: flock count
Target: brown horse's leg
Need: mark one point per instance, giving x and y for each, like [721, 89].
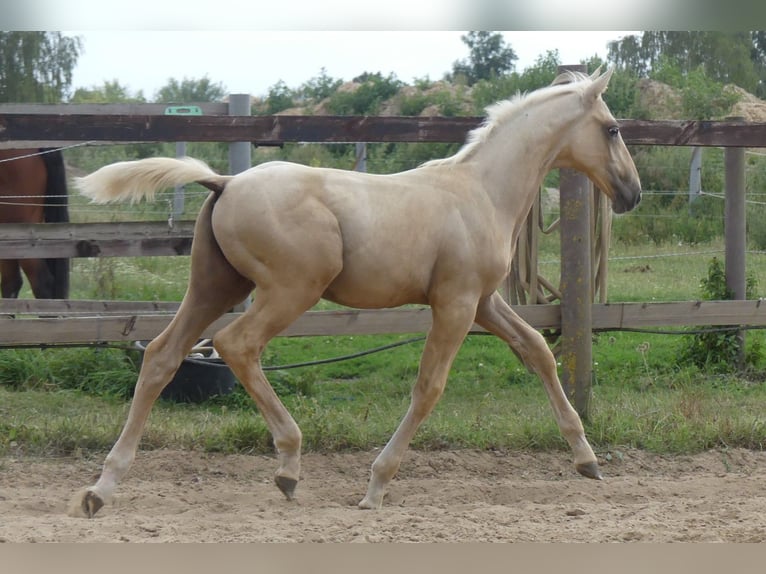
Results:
[40, 278]
[451, 323]
[10, 278]
[495, 315]
[214, 288]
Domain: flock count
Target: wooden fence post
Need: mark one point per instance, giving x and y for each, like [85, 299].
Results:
[576, 292]
[734, 229]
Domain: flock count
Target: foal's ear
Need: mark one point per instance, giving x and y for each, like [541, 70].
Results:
[599, 84]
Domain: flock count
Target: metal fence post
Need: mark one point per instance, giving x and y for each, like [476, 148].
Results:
[734, 229]
[178, 193]
[240, 155]
[576, 293]
[695, 174]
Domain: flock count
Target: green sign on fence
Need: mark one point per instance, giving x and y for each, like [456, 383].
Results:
[183, 111]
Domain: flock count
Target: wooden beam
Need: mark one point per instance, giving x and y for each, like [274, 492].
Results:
[678, 314]
[17, 128]
[260, 130]
[117, 239]
[694, 133]
[26, 330]
[74, 307]
[143, 109]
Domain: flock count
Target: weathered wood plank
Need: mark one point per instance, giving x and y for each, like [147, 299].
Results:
[137, 326]
[143, 327]
[131, 327]
[673, 314]
[261, 130]
[694, 133]
[137, 109]
[275, 130]
[73, 307]
[118, 239]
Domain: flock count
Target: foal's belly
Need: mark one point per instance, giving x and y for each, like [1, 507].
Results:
[375, 290]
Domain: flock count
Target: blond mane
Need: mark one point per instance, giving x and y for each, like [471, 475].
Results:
[503, 111]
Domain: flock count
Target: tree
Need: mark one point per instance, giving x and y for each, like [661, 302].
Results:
[37, 66]
[110, 93]
[727, 57]
[320, 87]
[489, 56]
[367, 98]
[280, 98]
[758, 56]
[190, 90]
[541, 73]
[496, 88]
[92, 157]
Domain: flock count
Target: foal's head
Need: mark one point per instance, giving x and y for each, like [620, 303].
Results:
[595, 147]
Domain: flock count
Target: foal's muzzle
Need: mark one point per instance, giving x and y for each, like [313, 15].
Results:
[626, 196]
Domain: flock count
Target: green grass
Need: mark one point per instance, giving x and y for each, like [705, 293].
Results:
[640, 399]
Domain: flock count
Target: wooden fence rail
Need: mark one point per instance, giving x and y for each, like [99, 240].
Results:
[32, 129]
[118, 239]
[110, 321]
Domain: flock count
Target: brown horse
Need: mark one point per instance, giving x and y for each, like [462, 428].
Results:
[33, 190]
[441, 234]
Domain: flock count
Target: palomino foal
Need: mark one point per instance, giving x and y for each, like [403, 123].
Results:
[441, 234]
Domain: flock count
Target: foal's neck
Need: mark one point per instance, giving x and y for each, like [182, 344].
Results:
[519, 151]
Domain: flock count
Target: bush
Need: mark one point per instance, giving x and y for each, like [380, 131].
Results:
[719, 350]
[366, 99]
[756, 226]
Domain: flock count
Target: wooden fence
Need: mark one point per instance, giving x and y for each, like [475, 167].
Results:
[98, 321]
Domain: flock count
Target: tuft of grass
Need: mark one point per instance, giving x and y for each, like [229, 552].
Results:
[98, 371]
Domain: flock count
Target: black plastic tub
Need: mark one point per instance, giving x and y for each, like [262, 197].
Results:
[199, 378]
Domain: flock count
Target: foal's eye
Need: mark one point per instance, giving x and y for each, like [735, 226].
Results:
[613, 131]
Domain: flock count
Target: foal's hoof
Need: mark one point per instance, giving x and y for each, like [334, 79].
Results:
[590, 470]
[85, 504]
[287, 486]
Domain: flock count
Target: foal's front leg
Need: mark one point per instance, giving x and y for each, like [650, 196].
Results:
[450, 326]
[495, 315]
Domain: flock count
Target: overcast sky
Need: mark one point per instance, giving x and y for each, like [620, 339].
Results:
[253, 61]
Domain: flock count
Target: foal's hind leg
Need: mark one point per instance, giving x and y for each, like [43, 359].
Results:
[214, 288]
[241, 345]
[495, 315]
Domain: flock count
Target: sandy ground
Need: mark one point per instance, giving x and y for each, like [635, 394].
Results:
[452, 496]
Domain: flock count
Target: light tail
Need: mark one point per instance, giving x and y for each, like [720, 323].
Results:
[142, 179]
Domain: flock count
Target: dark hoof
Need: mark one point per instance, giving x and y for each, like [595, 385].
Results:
[91, 503]
[287, 486]
[590, 470]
